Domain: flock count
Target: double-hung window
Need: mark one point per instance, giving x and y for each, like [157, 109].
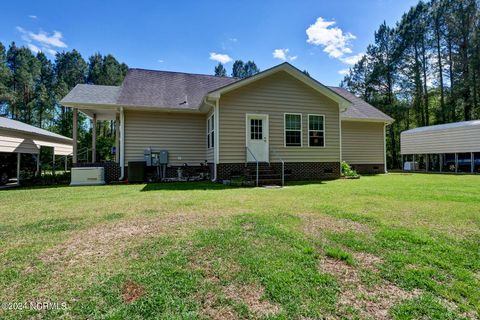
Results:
[316, 130]
[293, 130]
[211, 131]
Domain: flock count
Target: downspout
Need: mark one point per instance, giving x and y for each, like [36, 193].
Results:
[122, 145]
[385, 147]
[215, 113]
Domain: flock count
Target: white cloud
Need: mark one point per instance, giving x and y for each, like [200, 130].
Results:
[333, 40]
[54, 40]
[222, 58]
[233, 39]
[33, 48]
[343, 72]
[160, 61]
[32, 16]
[351, 60]
[42, 41]
[282, 54]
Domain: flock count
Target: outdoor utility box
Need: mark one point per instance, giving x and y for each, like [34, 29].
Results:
[87, 176]
[163, 157]
[147, 156]
[136, 171]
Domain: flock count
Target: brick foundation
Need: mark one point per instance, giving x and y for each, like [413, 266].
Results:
[171, 171]
[293, 170]
[368, 168]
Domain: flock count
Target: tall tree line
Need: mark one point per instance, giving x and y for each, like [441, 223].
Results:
[240, 69]
[31, 86]
[425, 70]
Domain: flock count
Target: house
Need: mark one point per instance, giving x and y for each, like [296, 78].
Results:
[278, 115]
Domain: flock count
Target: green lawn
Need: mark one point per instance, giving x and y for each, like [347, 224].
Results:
[398, 246]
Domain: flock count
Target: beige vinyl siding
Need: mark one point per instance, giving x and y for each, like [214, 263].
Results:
[459, 140]
[362, 142]
[210, 153]
[276, 95]
[182, 134]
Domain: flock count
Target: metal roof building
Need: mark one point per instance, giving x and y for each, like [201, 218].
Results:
[18, 137]
[455, 145]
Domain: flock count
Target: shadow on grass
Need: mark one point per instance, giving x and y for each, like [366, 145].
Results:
[178, 186]
[304, 183]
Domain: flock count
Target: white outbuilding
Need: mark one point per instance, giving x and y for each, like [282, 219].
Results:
[18, 137]
[452, 147]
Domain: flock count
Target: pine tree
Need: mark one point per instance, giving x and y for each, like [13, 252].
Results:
[220, 70]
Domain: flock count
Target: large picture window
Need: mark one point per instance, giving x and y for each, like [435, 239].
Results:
[293, 130]
[316, 130]
[211, 131]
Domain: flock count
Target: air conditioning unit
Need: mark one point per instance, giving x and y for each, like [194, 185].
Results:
[88, 176]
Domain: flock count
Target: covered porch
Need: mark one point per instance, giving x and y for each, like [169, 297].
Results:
[98, 103]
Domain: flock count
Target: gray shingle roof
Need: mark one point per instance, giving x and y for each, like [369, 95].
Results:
[168, 89]
[10, 124]
[184, 91]
[360, 109]
[92, 94]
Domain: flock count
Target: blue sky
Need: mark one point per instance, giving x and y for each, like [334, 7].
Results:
[324, 37]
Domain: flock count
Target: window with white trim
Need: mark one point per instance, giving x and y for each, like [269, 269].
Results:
[293, 130]
[211, 131]
[316, 130]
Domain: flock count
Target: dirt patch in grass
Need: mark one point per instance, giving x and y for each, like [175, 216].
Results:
[107, 239]
[212, 309]
[370, 301]
[131, 291]
[217, 271]
[252, 296]
[315, 224]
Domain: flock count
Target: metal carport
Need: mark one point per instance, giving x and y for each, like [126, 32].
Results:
[18, 137]
[453, 147]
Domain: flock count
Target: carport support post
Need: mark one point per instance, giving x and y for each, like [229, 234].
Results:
[94, 138]
[53, 163]
[426, 162]
[441, 162]
[75, 135]
[37, 173]
[456, 162]
[18, 167]
[472, 162]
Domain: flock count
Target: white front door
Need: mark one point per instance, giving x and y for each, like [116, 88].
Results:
[257, 137]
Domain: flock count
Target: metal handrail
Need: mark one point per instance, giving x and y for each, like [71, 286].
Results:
[283, 165]
[246, 161]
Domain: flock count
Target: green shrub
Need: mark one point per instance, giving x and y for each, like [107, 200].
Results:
[347, 171]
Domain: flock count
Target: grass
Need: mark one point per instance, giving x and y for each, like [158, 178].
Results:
[401, 246]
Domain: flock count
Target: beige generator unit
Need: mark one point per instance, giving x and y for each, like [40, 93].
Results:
[88, 176]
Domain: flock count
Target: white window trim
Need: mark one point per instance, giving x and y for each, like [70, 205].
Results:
[285, 129]
[324, 130]
[210, 130]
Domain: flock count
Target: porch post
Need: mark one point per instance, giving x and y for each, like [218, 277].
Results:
[441, 162]
[426, 162]
[94, 138]
[75, 135]
[117, 137]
